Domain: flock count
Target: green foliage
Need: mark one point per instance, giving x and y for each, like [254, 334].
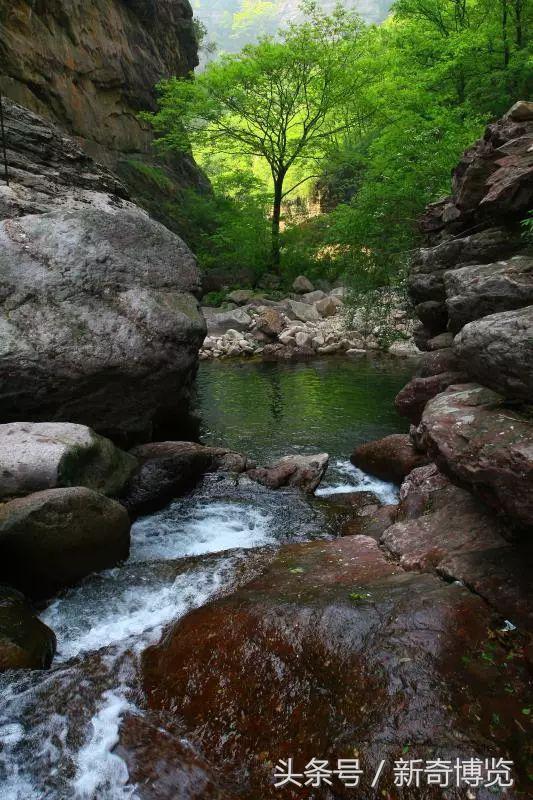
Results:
[380, 114]
[154, 174]
[279, 101]
[527, 225]
[225, 232]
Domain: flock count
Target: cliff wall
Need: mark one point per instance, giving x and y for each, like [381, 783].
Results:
[91, 67]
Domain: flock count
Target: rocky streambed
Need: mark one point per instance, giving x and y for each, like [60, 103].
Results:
[252, 624]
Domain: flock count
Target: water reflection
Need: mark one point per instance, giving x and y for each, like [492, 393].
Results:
[268, 410]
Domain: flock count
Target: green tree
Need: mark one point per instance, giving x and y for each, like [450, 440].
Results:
[279, 101]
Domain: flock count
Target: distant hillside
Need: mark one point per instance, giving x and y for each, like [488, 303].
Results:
[233, 23]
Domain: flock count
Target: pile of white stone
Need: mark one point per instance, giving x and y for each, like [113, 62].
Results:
[307, 322]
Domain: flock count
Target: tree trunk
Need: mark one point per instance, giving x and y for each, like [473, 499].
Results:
[518, 24]
[505, 39]
[276, 216]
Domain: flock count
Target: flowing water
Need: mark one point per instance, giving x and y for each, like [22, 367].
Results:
[58, 729]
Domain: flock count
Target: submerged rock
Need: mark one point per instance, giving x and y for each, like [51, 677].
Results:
[334, 650]
[25, 641]
[52, 539]
[390, 458]
[303, 472]
[50, 455]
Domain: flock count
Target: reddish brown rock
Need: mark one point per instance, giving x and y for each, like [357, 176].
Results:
[162, 765]
[270, 322]
[438, 361]
[412, 399]
[458, 527]
[480, 443]
[333, 650]
[303, 472]
[501, 575]
[390, 458]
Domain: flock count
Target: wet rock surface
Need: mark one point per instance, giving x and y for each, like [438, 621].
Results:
[25, 642]
[334, 650]
[390, 458]
[54, 538]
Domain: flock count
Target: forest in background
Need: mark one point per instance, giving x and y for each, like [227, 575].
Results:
[413, 92]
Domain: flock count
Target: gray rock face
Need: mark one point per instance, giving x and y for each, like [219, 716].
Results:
[52, 539]
[302, 285]
[48, 455]
[218, 322]
[302, 311]
[25, 641]
[98, 320]
[498, 350]
[475, 292]
[426, 279]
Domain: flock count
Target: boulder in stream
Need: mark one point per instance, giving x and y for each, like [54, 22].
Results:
[54, 538]
[390, 458]
[48, 455]
[25, 641]
[302, 472]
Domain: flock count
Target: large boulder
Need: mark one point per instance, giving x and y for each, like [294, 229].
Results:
[390, 458]
[168, 469]
[442, 527]
[480, 443]
[327, 307]
[49, 455]
[52, 539]
[303, 472]
[25, 641]
[99, 323]
[498, 350]
[335, 650]
[475, 292]
[270, 322]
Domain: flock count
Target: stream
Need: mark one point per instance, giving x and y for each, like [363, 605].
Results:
[58, 729]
